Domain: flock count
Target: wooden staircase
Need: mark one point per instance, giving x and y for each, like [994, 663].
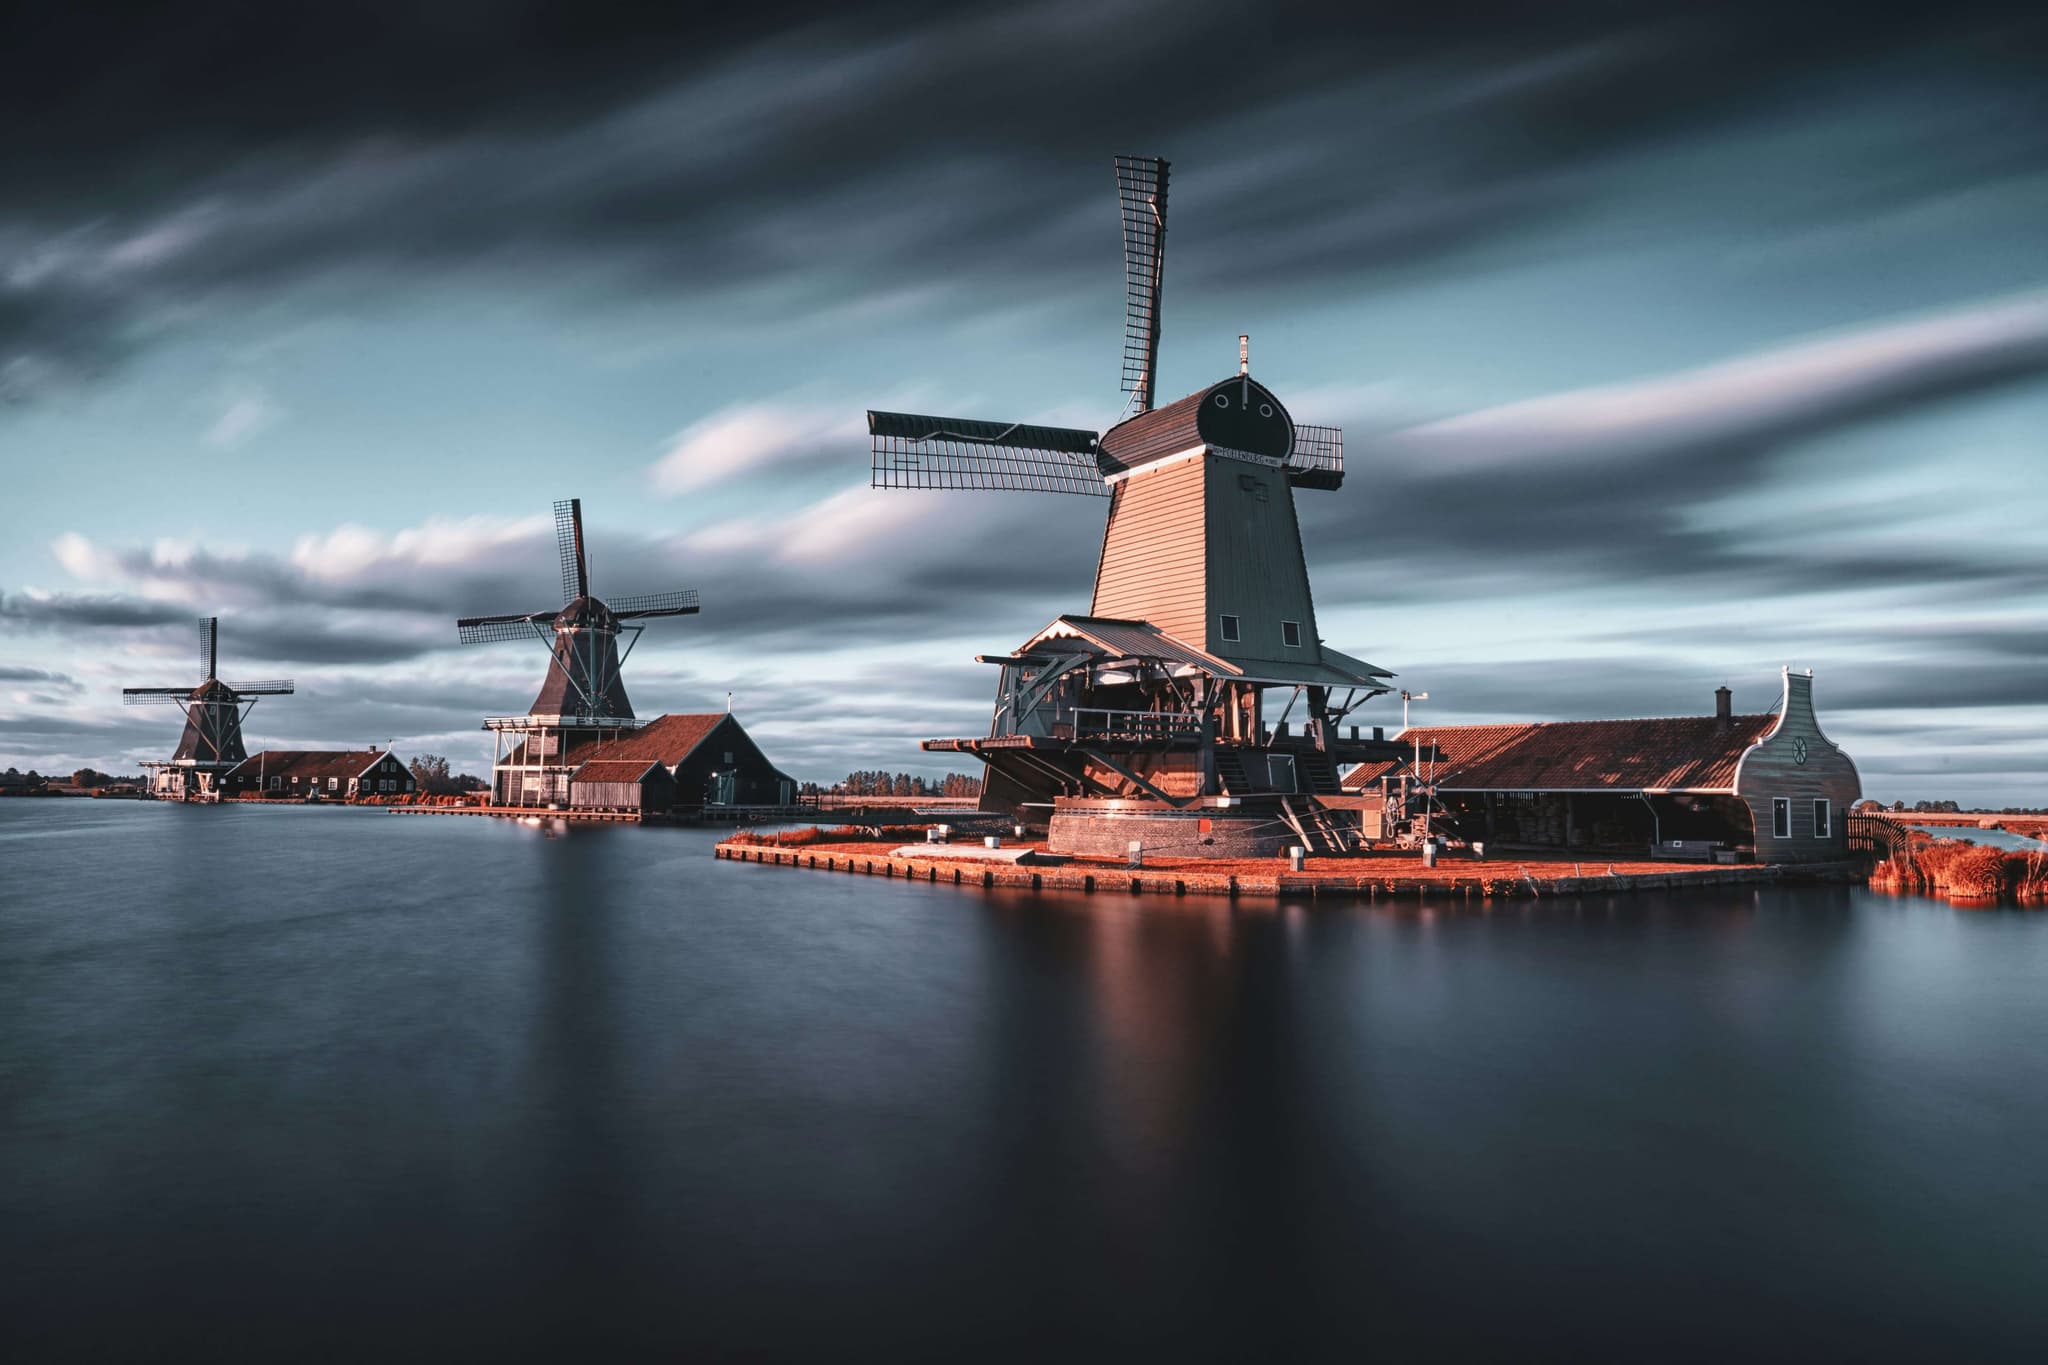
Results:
[1319, 834]
[1230, 773]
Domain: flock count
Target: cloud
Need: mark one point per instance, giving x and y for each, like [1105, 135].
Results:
[786, 165]
[244, 417]
[768, 438]
[1758, 400]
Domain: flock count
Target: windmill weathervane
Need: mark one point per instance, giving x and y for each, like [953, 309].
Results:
[582, 699]
[1145, 717]
[214, 711]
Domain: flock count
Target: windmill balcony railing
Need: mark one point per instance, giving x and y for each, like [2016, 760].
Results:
[1097, 723]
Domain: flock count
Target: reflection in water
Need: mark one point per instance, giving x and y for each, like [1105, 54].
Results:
[491, 1089]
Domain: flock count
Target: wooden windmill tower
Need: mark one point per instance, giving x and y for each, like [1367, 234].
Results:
[1145, 719]
[582, 698]
[214, 711]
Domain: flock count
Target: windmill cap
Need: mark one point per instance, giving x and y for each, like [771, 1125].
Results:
[1237, 413]
[584, 611]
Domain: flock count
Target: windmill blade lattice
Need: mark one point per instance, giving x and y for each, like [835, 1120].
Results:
[1318, 455]
[485, 629]
[155, 696]
[911, 450]
[1141, 186]
[569, 542]
[268, 687]
[682, 603]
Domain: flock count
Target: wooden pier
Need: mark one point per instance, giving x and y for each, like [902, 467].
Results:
[1369, 879]
[709, 815]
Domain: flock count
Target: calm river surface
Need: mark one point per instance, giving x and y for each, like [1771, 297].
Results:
[302, 1083]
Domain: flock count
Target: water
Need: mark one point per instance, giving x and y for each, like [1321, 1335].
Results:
[290, 1082]
[1994, 838]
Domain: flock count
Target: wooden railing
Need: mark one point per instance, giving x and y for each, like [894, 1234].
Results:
[1878, 835]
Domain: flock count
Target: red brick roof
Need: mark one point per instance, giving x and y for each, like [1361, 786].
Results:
[1679, 753]
[315, 764]
[665, 739]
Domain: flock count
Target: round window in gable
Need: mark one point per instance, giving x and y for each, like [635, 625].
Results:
[1265, 409]
[1222, 400]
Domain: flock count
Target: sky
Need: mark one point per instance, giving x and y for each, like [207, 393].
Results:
[1673, 346]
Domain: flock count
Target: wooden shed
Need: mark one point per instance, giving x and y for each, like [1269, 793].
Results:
[712, 759]
[622, 784]
[1772, 785]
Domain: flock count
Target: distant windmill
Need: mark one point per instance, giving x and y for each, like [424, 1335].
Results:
[582, 698]
[214, 712]
[1202, 597]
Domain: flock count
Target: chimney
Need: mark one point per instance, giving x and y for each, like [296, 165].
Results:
[1724, 709]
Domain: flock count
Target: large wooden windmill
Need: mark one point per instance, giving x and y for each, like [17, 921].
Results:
[214, 711]
[1146, 717]
[582, 698]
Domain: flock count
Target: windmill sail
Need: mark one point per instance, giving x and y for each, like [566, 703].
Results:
[682, 603]
[569, 541]
[1141, 186]
[1317, 459]
[209, 646]
[478, 630]
[911, 450]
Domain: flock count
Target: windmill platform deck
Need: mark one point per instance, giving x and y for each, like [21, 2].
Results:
[1376, 877]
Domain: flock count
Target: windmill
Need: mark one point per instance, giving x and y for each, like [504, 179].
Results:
[582, 699]
[1154, 701]
[214, 712]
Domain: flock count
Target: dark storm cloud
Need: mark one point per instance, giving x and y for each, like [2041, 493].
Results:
[1606, 485]
[86, 611]
[18, 673]
[187, 158]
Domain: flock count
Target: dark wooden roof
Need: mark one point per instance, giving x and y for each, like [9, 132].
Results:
[1679, 753]
[318, 764]
[1226, 415]
[665, 739]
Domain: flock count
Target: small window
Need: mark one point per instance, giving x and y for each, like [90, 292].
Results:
[276, 782]
[334, 784]
[1290, 634]
[728, 755]
[1230, 629]
[1823, 818]
[1781, 816]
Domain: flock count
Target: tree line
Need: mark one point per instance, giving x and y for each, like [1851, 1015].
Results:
[880, 783]
[430, 771]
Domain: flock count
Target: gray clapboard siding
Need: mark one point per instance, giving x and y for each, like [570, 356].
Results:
[1772, 768]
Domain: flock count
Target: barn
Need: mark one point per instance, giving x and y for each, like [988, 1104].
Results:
[1769, 786]
[328, 774]
[622, 784]
[713, 761]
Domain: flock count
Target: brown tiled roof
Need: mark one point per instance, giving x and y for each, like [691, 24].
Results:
[614, 770]
[318, 764]
[1679, 753]
[665, 739]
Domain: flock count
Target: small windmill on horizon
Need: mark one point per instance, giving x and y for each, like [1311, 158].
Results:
[582, 698]
[1126, 719]
[211, 744]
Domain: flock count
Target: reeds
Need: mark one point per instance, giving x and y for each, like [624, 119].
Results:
[1958, 870]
